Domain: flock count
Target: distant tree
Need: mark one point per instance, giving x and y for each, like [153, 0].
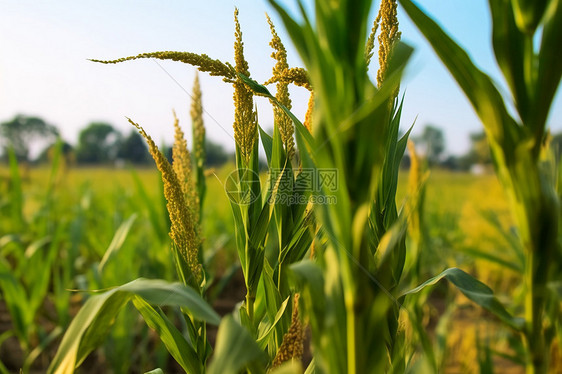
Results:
[215, 155]
[48, 152]
[98, 143]
[480, 149]
[458, 163]
[133, 149]
[22, 131]
[433, 141]
[478, 154]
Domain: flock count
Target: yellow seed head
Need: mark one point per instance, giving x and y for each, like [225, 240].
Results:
[309, 111]
[202, 61]
[388, 36]
[370, 46]
[245, 120]
[293, 341]
[183, 230]
[239, 60]
[197, 123]
[283, 122]
[296, 76]
[182, 168]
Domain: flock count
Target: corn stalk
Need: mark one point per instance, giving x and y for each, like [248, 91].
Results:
[532, 71]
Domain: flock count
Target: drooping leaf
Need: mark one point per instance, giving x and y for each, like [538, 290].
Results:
[476, 291]
[174, 341]
[92, 323]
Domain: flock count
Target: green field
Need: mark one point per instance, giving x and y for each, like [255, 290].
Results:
[76, 221]
[342, 262]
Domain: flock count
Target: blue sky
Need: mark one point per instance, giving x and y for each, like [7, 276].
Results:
[44, 69]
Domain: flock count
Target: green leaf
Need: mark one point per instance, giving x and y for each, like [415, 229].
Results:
[390, 253]
[269, 326]
[267, 142]
[255, 86]
[174, 341]
[302, 131]
[159, 292]
[235, 350]
[15, 297]
[476, 291]
[510, 48]
[301, 239]
[311, 369]
[92, 323]
[117, 241]
[38, 350]
[308, 277]
[259, 231]
[528, 14]
[272, 296]
[510, 236]
[550, 63]
[155, 371]
[476, 85]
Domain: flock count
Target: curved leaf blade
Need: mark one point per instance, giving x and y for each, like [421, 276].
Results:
[474, 290]
[174, 341]
[92, 323]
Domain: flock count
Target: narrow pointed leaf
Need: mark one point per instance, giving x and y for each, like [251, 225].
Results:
[267, 142]
[477, 86]
[510, 46]
[117, 241]
[174, 341]
[550, 63]
[476, 291]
